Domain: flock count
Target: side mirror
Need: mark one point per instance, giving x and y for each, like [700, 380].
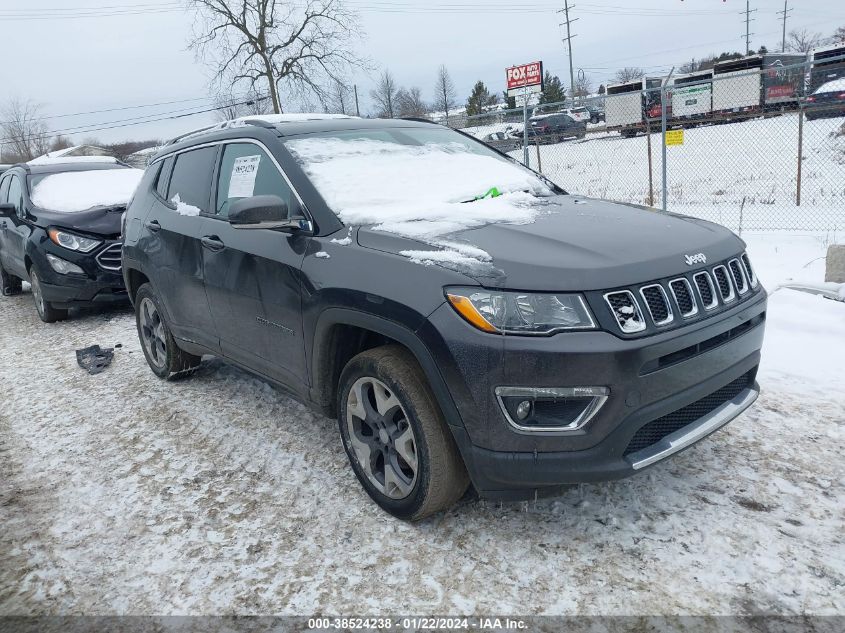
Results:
[265, 212]
[7, 210]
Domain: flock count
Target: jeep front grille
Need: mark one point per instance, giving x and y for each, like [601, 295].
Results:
[726, 289]
[706, 289]
[657, 303]
[682, 291]
[752, 276]
[626, 310]
[738, 276]
[111, 257]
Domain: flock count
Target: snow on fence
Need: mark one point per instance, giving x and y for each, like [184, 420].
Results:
[738, 165]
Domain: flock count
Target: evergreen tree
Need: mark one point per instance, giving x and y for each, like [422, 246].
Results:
[480, 99]
[553, 90]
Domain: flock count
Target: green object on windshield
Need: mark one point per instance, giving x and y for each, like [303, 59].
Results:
[493, 192]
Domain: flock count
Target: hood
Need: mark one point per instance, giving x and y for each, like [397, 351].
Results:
[582, 244]
[102, 221]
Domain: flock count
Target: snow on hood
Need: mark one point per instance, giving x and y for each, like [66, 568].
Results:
[74, 191]
[62, 159]
[831, 86]
[420, 191]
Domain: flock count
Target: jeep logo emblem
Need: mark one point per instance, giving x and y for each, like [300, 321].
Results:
[698, 258]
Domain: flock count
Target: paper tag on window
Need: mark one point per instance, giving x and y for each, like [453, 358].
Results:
[244, 171]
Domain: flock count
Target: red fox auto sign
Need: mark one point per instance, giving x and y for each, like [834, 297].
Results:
[525, 77]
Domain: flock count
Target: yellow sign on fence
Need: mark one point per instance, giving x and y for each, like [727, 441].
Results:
[674, 137]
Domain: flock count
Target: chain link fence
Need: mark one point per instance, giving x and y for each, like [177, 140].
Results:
[754, 144]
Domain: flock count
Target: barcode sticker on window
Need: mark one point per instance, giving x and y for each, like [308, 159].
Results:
[244, 171]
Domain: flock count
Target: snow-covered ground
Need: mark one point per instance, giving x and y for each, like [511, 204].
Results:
[714, 171]
[120, 493]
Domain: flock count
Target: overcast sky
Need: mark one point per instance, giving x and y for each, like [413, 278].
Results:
[71, 58]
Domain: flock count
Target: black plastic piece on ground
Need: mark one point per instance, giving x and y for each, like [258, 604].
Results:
[94, 359]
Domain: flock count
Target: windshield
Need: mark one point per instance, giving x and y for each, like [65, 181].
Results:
[400, 174]
[73, 191]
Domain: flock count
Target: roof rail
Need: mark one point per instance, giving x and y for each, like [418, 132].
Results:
[225, 125]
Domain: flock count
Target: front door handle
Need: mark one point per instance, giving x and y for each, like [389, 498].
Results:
[153, 226]
[212, 243]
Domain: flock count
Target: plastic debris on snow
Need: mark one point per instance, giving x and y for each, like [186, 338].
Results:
[94, 359]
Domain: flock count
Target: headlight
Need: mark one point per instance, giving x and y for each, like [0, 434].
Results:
[63, 267]
[520, 312]
[73, 242]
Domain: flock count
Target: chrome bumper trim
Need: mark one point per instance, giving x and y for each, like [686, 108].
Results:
[694, 431]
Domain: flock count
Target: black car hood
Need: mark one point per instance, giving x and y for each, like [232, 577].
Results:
[101, 221]
[581, 244]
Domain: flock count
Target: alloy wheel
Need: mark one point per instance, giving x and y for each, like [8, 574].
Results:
[152, 332]
[382, 437]
[37, 295]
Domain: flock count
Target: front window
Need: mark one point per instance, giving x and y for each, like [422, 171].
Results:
[412, 174]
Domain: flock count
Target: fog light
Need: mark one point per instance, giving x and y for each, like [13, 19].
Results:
[550, 409]
[62, 266]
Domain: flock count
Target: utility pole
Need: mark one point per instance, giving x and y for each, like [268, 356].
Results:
[357, 110]
[748, 11]
[784, 13]
[568, 38]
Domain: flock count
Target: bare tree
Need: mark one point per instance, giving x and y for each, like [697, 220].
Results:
[25, 134]
[583, 86]
[802, 41]
[445, 96]
[340, 99]
[229, 106]
[410, 103]
[626, 74]
[384, 95]
[838, 36]
[273, 46]
[60, 142]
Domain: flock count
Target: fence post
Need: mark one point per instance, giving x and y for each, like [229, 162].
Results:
[525, 128]
[663, 85]
[800, 152]
[539, 164]
[650, 167]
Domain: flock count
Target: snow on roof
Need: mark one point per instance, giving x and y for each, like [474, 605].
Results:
[831, 86]
[73, 191]
[50, 159]
[147, 151]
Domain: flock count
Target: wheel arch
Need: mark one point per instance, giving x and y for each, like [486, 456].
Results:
[334, 344]
[134, 280]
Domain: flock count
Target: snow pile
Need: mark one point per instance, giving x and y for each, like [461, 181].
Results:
[74, 191]
[323, 255]
[421, 192]
[183, 208]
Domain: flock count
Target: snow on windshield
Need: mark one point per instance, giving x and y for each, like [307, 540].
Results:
[73, 191]
[420, 191]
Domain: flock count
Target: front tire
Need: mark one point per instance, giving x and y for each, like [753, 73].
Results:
[395, 436]
[163, 356]
[45, 309]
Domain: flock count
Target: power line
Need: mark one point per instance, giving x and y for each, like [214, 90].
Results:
[568, 40]
[785, 13]
[748, 11]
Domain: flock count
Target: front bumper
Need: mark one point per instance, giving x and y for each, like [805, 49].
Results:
[648, 378]
[96, 287]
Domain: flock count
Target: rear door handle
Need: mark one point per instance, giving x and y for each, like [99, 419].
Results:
[212, 243]
[153, 226]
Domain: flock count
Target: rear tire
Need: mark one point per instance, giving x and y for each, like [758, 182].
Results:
[9, 284]
[397, 441]
[45, 309]
[163, 355]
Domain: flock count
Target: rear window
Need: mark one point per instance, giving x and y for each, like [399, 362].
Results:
[191, 179]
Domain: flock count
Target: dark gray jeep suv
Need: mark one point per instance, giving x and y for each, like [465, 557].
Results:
[467, 321]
